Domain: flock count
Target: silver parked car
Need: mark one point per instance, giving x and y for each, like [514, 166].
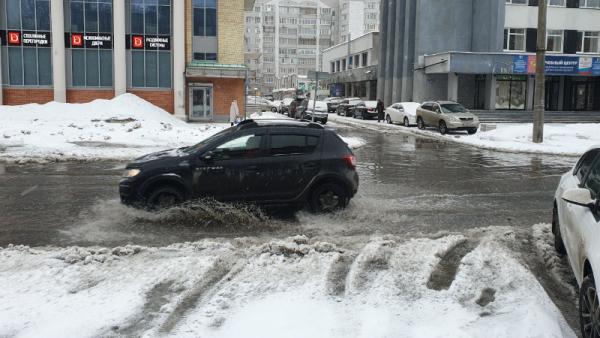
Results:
[446, 116]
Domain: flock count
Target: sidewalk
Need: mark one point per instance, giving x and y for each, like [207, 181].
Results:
[560, 139]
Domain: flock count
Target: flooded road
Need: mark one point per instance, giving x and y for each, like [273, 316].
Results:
[409, 186]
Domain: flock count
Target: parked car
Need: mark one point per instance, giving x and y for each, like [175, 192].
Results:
[346, 107]
[277, 104]
[446, 116]
[402, 112]
[264, 162]
[332, 104]
[285, 106]
[260, 104]
[365, 110]
[576, 228]
[319, 112]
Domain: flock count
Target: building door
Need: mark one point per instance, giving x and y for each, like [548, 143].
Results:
[580, 96]
[201, 103]
[552, 93]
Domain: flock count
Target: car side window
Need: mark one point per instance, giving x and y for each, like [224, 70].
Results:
[585, 164]
[436, 108]
[593, 180]
[426, 106]
[288, 144]
[246, 146]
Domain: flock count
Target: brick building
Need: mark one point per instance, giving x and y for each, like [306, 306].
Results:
[185, 56]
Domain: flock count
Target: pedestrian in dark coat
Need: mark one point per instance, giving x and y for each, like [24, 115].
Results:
[380, 110]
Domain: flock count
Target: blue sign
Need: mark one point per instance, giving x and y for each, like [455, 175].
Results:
[596, 66]
[562, 65]
[520, 64]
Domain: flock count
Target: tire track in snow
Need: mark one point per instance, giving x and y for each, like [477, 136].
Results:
[445, 271]
[338, 274]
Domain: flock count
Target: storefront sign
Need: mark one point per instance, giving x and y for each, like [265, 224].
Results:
[150, 42]
[26, 38]
[91, 40]
[557, 65]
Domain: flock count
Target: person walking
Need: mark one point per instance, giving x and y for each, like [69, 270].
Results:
[380, 110]
[234, 112]
[293, 109]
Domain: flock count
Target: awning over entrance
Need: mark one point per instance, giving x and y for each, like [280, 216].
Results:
[509, 63]
[199, 69]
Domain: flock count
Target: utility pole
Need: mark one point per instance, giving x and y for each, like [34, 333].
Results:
[540, 75]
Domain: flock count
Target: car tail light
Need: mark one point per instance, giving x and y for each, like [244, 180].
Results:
[370, 109]
[350, 161]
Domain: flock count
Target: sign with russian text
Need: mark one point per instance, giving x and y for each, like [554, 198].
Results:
[26, 38]
[596, 66]
[91, 40]
[150, 42]
[558, 65]
[520, 64]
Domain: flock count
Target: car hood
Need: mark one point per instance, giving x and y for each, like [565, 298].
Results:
[160, 155]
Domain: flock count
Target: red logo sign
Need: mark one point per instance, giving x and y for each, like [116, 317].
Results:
[14, 38]
[77, 40]
[137, 41]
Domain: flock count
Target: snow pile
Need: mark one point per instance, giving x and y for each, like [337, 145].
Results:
[285, 288]
[122, 128]
[559, 139]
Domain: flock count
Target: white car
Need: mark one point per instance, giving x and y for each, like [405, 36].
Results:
[576, 228]
[404, 113]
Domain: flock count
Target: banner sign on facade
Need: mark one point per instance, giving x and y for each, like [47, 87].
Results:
[26, 38]
[90, 40]
[557, 65]
[149, 42]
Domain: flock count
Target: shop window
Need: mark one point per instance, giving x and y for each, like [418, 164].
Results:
[511, 92]
[590, 3]
[90, 43]
[205, 17]
[29, 61]
[365, 57]
[151, 64]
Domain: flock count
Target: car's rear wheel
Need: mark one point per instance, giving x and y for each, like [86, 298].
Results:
[406, 122]
[420, 123]
[559, 245]
[589, 309]
[388, 119]
[471, 131]
[274, 110]
[165, 197]
[328, 197]
[443, 128]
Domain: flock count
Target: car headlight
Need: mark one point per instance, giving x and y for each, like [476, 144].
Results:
[131, 173]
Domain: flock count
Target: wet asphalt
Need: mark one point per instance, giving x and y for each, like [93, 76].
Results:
[410, 186]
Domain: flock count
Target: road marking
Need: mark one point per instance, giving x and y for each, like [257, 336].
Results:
[28, 191]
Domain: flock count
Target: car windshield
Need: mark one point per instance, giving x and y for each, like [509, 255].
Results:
[453, 108]
[199, 146]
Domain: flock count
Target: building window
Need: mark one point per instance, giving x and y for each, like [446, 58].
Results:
[344, 64]
[589, 4]
[365, 57]
[332, 65]
[588, 42]
[209, 57]
[514, 39]
[356, 61]
[557, 3]
[205, 17]
[150, 21]
[517, 2]
[554, 41]
[90, 43]
[511, 92]
[28, 45]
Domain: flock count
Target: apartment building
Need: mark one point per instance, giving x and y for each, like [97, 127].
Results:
[284, 40]
[356, 18]
[483, 53]
[185, 56]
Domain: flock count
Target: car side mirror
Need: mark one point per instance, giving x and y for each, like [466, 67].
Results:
[579, 196]
[208, 156]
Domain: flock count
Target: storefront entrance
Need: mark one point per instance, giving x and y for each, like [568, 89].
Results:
[511, 92]
[582, 93]
[201, 102]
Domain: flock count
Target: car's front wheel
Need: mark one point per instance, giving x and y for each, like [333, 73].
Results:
[559, 245]
[420, 123]
[388, 119]
[406, 122]
[589, 308]
[328, 197]
[443, 128]
[471, 131]
[165, 197]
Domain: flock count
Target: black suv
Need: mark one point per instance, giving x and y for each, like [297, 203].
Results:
[266, 162]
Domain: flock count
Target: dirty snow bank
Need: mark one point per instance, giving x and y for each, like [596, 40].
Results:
[122, 128]
[559, 139]
[284, 288]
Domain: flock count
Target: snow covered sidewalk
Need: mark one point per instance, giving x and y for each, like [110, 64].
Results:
[560, 139]
[293, 287]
